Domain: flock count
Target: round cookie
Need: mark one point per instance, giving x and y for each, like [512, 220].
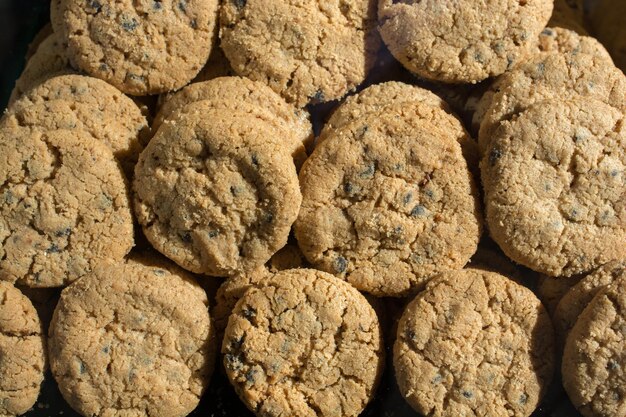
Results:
[554, 186]
[41, 36]
[121, 343]
[64, 207]
[580, 295]
[474, 343]
[306, 51]
[48, 61]
[564, 41]
[593, 360]
[461, 42]
[491, 259]
[142, 48]
[85, 103]
[389, 202]
[304, 344]
[551, 76]
[550, 290]
[22, 352]
[214, 192]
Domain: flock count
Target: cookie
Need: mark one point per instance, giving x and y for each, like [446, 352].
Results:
[593, 361]
[64, 207]
[85, 103]
[120, 341]
[461, 42]
[22, 352]
[474, 343]
[550, 290]
[41, 36]
[554, 186]
[551, 76]
[564, 41]
[246, 97]
[48, 61]
[142, 48]
[306, 51]
[580, 295]
[304, 344]
[215, 193]
[490, 259]
[389, 202]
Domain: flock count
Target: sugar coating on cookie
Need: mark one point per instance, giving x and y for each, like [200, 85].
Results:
[120, 341]
[22, 352]
[389, 202]
[85, 103]
[216, 192]
[593, 361]
[554, 186]
[141, 47]
[304, 344]
[474, 343]
[461, 42]
[307, 51]
[64, 207]
[580, 295]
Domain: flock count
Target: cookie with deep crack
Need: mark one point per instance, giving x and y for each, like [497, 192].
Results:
[64, 207]
[554, 186]
[461, 42]
[216, 192]
[306, 51]
[389, 202]
[593, 361]
[22, 352]
[120, 341]
[85, 103]
[474, 343]
[143, 47]
[304, 344]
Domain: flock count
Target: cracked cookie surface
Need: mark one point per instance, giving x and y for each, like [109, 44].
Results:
[461, 42]
[593, 361]
[555, 189]
[389, 202]
[305, 343]
[22, 352]
[215, 193]
[64, 207]
[121, 343]
[474, 343]
[141, 47]
[307, 51]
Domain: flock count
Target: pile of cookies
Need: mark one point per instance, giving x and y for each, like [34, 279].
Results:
[156, 150]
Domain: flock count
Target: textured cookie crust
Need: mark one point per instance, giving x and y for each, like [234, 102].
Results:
[389, 202]
[580, 295]
[550, 290]
[554, 186]
[566, 41]
[64, 207]
[215, 193]
[141, 47]
[121, 343]
[304, 344]
[84, 103]
[22, 352]
[551, 76]
[461, 42]
[593, 361]
[307, 51]
[474, 343]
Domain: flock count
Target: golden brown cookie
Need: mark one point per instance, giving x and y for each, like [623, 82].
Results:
[22, 352]
[41, 36]
[461, 42]
[554, 186]
[474, 343]
[64, 207]
[593, 362]
[389, 202]
[141, 47]
[550, 290]
[306, 51]
[120, 341]
[304, 344]
[215, 192]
